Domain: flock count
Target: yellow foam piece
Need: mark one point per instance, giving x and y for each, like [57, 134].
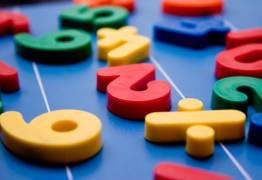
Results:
[63, 136]
[164, 127]
[190, 104]
[200, 141]
[122, 46]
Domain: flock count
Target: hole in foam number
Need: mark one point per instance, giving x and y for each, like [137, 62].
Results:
[64, 126]
[250, 57]
[64, 39]
[104, 14]
[249, 92]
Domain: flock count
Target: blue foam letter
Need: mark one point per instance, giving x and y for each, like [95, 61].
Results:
[191, 32]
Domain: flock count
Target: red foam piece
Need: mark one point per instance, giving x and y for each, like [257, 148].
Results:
[13, 23]
[172, 171]
[132, 91]
[128, 4]
[192, 7]
[8, 78]
[238, 38]
[245, 60]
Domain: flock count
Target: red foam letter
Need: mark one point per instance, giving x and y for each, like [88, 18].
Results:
[8, 78]
[237, 38]
[13, 23]
[172, 171]
[132, 91]
[245, 60]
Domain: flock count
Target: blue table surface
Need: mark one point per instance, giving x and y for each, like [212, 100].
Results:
[125, 154]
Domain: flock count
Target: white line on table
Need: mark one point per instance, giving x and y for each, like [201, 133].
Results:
[41, 86]
[237, 164]
[231, 157]
[240, 168]
[37, 74]
[159, 67]
[69, 173]
[230, 25]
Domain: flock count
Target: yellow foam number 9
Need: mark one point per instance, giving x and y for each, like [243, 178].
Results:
[63, 136]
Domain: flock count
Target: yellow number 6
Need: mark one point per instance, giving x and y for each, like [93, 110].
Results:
[63, 136]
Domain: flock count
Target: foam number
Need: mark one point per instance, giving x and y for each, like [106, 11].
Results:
[132, 91]
[173, 171]
[199, 132]
[13, 23]
[63, 136]
[9, 81]
[191, 32]
[238, 38]
[192, 7]
[123, 46]
[237, 93]
[243, 55]
[65, 46]
[127, 4]
[245, 60]
[91, 19]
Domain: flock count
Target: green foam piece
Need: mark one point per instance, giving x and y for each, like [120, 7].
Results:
[91, 19]
[66, 46]
[237, 92]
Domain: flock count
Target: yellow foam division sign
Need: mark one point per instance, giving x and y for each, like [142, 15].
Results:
[200, 141]
[172, 126]
[220, 125]
[63, 136]
[122, 46]
[190, 104]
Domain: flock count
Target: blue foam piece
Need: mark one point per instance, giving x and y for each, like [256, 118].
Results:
[191, 32]
[255, 129]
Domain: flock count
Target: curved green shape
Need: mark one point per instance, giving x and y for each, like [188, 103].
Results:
[109, 16]
[67, 46]
[237, 92]
[91, 19]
